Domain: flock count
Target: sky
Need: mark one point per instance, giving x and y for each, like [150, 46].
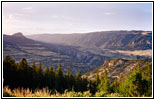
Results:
[68, 17]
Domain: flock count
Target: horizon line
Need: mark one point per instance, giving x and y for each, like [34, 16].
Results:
[78, 32]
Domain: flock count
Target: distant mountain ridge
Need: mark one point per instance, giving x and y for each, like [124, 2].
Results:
[114, 40]
[75, 56]
[18, 47]
[17, 38]
[19, 34]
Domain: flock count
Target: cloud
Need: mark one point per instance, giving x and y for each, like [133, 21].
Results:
[61, 17]
[10, 16]
[55, 16]
[109, 13]
[27, 8]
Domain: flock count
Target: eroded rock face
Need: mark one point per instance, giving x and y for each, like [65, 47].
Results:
[114, 40]
[116, 66]
[81, 52]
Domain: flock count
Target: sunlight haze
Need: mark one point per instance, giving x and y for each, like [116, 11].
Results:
[37, 18]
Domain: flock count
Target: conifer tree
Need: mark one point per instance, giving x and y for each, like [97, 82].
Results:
[68, 80]
[9, 62]
[68, 74]
[59, 82]
[46, 77]
[78, 79]
[59, 72]
[51, 70]
[22, 65]
[9, 71]
[79, 75]
[34, 66]
[39, 75]
[46, 71]
[101, 77]
[97, 79]
[115, 86]
[39, 68]
[120, 77]
[134, 85]
[54, 71]
[52, 75]
[24, 73]
[34, 75]
[104, 85]
[147, 77]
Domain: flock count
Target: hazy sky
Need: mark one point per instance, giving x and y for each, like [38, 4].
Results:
[36, 18]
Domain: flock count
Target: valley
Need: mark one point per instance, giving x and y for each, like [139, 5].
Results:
[78, 52]
[65, 49]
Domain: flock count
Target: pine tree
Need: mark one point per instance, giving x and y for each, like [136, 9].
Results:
[59, 72]
[34, 66]
[46, 77]
[39, 75]
[51, 69]
[104, 85]
[115, 86]
[9, 62]
[39, 68]
[101, 77]
[148, 77]
[22, 65]
[68, 80]
[46, 71]
[84, 84]
[52, 77]
[133, 85]
[60, 83]
[120, 77]
[79, 75]
[34, 75]
[97, 79]
[9, 71]
[78, 79]
[68, 74]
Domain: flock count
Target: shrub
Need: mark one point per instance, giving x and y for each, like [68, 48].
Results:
[5, 94]
[113, 95]
[100, 94]
[45, 92]
[87, 94]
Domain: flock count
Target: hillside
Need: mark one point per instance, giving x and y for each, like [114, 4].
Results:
[18, 47]
[73, 57]
[116, 66]
[113, 40]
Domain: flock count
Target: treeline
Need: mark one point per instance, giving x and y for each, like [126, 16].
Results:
[23, 75]
[137, 83]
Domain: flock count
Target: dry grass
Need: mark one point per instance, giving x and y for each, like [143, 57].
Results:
[45, 92]
[20, 92]
[136, 52]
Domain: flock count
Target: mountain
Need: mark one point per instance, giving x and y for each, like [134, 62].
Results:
[18, 47]
[17, 38]
[71, 56]
[113, 40]
[116, 66]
